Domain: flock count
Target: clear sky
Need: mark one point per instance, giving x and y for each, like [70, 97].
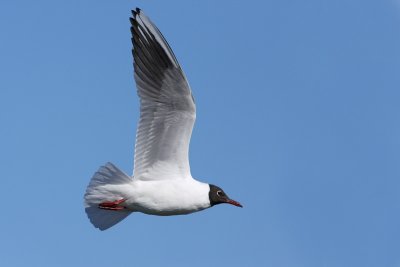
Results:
[298, 118]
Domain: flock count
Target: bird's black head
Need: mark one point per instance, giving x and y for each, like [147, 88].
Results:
[218, 196]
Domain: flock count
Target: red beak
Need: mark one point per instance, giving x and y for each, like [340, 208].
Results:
[234, 203]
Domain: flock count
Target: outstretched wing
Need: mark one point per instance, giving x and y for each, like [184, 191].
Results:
[167, 108]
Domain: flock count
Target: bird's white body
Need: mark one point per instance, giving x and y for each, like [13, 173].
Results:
[167, 197]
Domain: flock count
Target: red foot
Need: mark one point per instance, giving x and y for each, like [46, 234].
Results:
[114, 205]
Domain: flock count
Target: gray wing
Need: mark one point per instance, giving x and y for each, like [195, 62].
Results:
[167, 108]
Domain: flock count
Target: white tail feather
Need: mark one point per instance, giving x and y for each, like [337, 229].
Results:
[103, 188]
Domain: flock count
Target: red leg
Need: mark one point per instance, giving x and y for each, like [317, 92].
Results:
[114, 205]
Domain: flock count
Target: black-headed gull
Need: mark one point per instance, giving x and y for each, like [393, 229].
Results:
[161, 183]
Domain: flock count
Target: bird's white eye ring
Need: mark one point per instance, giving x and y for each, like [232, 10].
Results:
[219, 193]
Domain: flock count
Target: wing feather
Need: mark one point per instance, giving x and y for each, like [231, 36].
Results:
[167, 108]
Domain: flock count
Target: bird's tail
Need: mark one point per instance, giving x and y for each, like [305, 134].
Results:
[104, 188]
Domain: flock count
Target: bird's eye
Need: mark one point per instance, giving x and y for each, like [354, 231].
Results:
[219, 193]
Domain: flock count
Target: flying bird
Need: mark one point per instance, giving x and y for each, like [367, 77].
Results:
[161, 183]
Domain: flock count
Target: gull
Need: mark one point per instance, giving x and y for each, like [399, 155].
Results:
[162, 183]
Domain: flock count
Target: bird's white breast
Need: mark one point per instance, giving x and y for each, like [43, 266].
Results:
[168, 197]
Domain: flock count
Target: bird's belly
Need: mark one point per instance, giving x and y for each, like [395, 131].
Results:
[164, 207]
[167, 198]
[165, 212]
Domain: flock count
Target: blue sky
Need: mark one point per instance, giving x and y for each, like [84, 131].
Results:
[297, 118]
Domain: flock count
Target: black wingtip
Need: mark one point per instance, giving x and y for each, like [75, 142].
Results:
[136, 12]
